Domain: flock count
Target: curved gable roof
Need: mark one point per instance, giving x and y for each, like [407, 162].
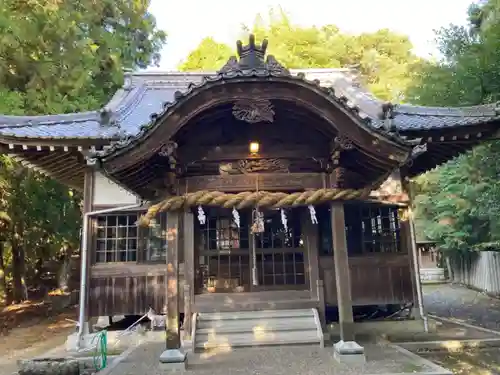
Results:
[365, 111]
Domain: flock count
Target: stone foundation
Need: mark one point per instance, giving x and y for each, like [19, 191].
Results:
[349, 352]
[53, 366]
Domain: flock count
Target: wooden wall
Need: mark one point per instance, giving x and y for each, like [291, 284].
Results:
[375, 279]
[129, 289]
[117, 289]
[478, 270]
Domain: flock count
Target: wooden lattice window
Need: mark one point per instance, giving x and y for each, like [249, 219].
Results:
[116, 238]
[224, 261]
[156, 240]
[370, 228]
[221, 232]
[275, 236]
[280, 257]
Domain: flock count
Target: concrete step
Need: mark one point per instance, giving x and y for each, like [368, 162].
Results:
[271, 325]
[260, 339]
[278, 314]
[256, 328]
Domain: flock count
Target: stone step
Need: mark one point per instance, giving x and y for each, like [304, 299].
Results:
[257, 328]
[256, 339]
[254, 325]
[274, 314]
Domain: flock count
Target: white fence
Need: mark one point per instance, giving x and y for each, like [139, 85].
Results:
[478, 270]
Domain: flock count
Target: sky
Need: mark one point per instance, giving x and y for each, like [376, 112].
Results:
[187, 22]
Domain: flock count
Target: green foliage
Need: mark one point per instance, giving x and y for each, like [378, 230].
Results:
[208, 56]
[58, 57]
[66, 56]
[459, 201]
[383, 58]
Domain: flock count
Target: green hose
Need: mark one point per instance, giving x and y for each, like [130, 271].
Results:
[101, 350]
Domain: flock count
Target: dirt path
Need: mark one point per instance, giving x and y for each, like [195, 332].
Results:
[31, 329]
[458, 302]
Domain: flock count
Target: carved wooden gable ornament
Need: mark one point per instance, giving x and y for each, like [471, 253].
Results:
[252, 57]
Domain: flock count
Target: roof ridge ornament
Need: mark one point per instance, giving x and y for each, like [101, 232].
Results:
[253, 57]
[387, 116]
[107, 117]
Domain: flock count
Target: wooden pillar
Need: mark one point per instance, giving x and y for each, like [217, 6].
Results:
[346, 349]
[88, 197]
[173, 356]
[188, 271]
[311, 233]
[342, 274]
[408, 229]
[406, 243]
[173, 337]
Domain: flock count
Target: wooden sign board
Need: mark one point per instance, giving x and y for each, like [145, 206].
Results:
[253, 182]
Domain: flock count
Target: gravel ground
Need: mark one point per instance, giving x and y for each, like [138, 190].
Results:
[458, 302]
[279, 360]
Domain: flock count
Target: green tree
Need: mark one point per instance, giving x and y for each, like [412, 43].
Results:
[57, 57]
[383, 58]
[64, 56]
[208, 56]
[458, 202]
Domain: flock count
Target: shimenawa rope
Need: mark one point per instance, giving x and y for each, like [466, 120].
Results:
[253, 199]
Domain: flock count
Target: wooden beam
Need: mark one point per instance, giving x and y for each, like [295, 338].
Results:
[238, 152]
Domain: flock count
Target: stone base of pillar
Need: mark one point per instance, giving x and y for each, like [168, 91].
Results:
[349, 352]
[415, 313]
[173, 359]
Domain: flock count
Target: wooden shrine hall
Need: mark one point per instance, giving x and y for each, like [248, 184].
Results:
[255, 196]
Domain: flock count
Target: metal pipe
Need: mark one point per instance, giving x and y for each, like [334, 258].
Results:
[418, 284]
[83, 267]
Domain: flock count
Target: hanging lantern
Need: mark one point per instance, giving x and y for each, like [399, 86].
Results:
[202, 218]
[312, 212]
[236, 217]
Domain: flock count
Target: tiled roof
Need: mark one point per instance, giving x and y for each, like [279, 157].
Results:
[144, 94]
[410, 117]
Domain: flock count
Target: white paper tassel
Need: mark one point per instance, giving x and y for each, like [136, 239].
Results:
[258, 221]
[261, 221]
[284, 220]
[201, 216]
[236, 217]
[312, 212]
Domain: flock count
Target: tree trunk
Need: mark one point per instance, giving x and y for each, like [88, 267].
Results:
[18, 273]
[64, 273]
[3, 280]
